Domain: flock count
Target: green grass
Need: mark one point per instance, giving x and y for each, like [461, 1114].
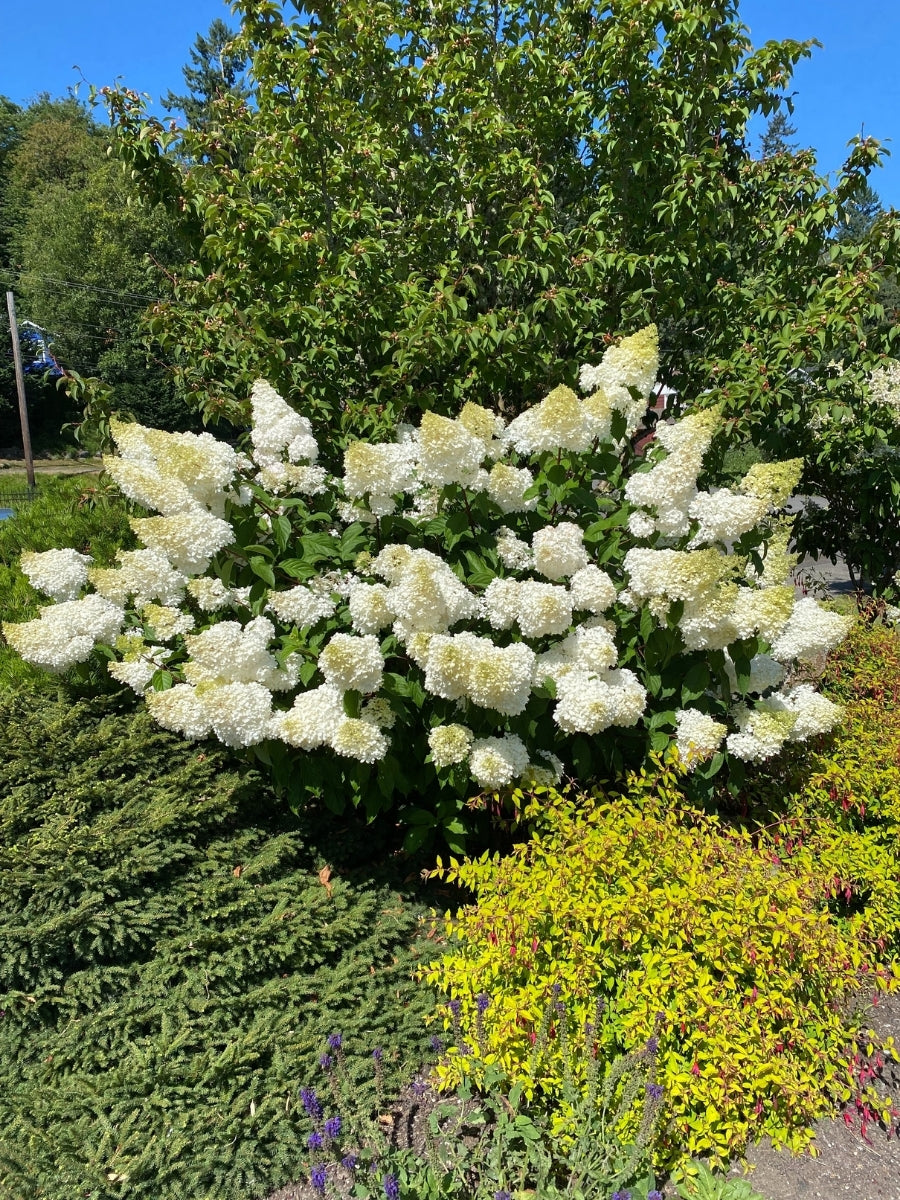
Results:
[67, 510]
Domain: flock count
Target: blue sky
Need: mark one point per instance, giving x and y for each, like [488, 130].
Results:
[850, 84]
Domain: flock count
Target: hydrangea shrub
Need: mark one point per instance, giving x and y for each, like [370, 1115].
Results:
[472, 605]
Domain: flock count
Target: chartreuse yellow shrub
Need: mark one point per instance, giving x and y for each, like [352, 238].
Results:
[701, 936]
[840, 804]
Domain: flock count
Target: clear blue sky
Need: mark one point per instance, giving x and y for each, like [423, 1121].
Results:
[853, 82]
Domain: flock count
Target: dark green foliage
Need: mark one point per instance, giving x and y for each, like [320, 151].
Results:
[171, 962]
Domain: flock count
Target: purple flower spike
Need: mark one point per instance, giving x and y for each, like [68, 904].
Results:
[652, 1044]
[455, 1007]
[556, 989]
[482, 1002]
[311, 1103]
[654, 1091]
[325, 1061]
[654, 1195]
[334, 1041]
[419, 1086]
[317, 1177]
[436, 1044]
[349, 1162]
[391, 1187]
[502, 1196]
[378, 1054]
[332, 1127]
[626, 1195]
[314, 1141]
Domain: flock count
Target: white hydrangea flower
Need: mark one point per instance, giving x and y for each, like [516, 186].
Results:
[352, 663]
[359, 739]
[592, 589]
[677, 574]
[278, 431]
[65, 633]
[181, 710]
[167, 622]
[670, 486]
[350, 513]
[513, 552]
[210, 594]
[507, 487]
[280, 477]
[240, 714]
[449, 744]
[189, 540]
[698, 735]
[762, 730]
[765, 673]
[314, 719]
[640, 525]
[814, 712]
[426, 594]
[633, 364]
[483, 424]
[558, 422]
[590, 648]
[810, 633]
[707, 622]
[173, 472]
[134, 673]
[501, 602]
[143, 574]
[448, 453]
[497, 761]
[382, 469]
[724, 516]
[587, 703]
[231, 653]
[543, 609]
[773, 482]
[466, 666]
[391, 562]
[765, 611]
[299, 606]
[59, 574]
[370, 611]
[559, 550]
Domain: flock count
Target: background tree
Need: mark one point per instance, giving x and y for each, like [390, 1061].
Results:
[776, 139]
[80, 255]
[218, 70]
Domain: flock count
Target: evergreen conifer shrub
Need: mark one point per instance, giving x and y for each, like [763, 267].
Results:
[172, 956]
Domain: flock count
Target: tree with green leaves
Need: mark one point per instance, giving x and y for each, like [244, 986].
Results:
[84, 259]
[428, 205]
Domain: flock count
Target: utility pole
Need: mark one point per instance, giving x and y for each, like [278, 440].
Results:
[20, 388]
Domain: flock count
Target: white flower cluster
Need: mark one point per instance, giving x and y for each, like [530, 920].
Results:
[66, 633]
[59, 574]
[793, 715]
[279, 433]
[698, 736]
[884, 388]
[481, 648]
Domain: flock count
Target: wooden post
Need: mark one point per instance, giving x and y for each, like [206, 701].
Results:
[20, 388]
